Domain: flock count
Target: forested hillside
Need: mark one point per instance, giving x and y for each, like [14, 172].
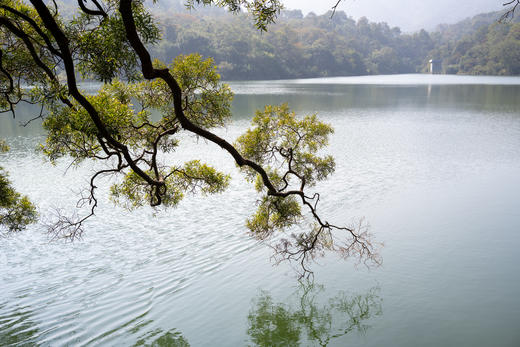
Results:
[479, 46]
[296, 46]
[317, 46]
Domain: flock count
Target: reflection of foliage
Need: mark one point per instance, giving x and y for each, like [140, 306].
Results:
[272, 324]
[17, 329]
[171, 338]
[280, 324]
[3, 146]
[16, 211]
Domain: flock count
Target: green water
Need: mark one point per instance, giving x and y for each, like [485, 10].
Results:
[431, 162]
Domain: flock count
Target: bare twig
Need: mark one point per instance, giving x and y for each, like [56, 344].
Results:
[335, 7]
[510, 12]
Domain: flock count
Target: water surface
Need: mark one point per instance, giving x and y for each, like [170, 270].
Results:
[432, 163]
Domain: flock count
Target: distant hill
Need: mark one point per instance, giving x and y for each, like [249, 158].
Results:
[300, 46]
[470, 25]
[409, 15]
[479, 45]
[294, 47]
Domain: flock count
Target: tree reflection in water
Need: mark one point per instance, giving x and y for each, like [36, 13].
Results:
[281, 324]
[305, 319]
[18, 328]
[171, 338]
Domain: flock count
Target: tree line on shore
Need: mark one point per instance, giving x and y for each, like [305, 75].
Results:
[298, 46]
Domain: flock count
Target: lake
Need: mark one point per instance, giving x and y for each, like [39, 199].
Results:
[432, 163]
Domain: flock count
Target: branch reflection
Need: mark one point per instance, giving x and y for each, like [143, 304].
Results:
[309, 318]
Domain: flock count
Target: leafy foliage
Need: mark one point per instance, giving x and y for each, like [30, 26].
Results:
[102, 50]
[485, 47]
[264, 12]
[300, 46]
[118, 125]
[193, 177]
[274, 214]
[279, 139]
[4, 147]
[287, 147]
[206, 102]
[16, 211]
[72, 132]
[295, 46]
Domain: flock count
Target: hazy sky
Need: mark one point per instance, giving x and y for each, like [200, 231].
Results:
[410, 15]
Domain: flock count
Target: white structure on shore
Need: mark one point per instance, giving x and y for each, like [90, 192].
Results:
[435, 67]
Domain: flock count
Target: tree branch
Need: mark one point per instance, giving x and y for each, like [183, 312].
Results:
[510, 13]
[35, 26]
[99, 12]
[63, 44]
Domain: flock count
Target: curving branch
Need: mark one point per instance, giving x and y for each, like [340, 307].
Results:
[35, 26]
[7, 93]
[510, 12]
[63, 44]
[99, 11]
[72, 227]
[110, 145]
[4, 21]
[335, 7]
[150, 73]
[360, 244]
[52, 44]
[28, 42]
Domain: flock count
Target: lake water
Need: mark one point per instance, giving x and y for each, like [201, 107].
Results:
[431, 162]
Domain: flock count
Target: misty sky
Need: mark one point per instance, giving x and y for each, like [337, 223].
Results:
[409, 15]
